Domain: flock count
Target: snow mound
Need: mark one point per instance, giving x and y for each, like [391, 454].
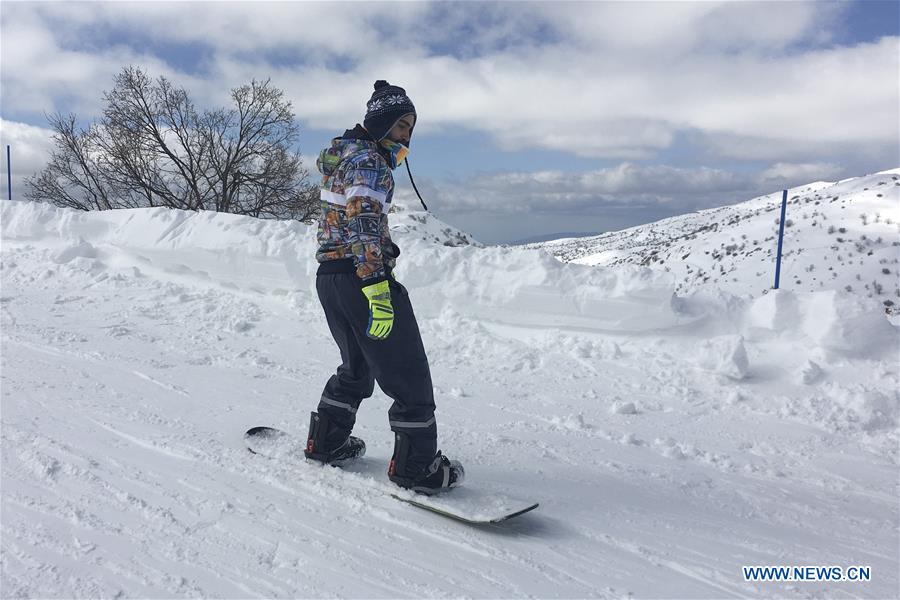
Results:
[514, 286]
[725, 355]
[839, 322]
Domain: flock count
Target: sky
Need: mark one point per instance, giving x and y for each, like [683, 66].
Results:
[534, 118]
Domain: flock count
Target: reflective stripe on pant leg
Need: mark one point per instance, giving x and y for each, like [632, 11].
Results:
[413, 424]
[345, 405]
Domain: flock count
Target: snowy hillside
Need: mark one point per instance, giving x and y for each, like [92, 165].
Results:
[843, 235]
[670, 439]
[416, 224]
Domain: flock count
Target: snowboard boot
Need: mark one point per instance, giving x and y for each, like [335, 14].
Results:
[316, 449]
[441, 475]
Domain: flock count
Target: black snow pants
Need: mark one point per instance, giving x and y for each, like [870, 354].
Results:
[398, 363]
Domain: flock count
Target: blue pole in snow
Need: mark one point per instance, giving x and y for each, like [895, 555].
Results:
[780, 239]
[8, 173]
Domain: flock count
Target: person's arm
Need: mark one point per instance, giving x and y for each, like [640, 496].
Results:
[366, 198]
[366, 194]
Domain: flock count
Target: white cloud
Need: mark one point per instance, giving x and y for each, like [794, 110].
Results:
[40, 75]
[679, 27]
[604, 101]
[611, 80]
[808, 172]
[626, 185]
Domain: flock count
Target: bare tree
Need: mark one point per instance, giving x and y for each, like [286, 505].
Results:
[254, 172]
[153, 144]
[72, 177]
[153, 147]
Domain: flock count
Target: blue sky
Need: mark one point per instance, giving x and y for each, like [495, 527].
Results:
[534, 118]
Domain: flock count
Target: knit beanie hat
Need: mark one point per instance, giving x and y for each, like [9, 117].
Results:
[387, 104]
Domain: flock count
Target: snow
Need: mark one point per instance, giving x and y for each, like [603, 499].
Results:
[672, 433]
[840, 235]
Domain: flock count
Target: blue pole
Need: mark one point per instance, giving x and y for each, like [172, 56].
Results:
[780, 239]
[8, 173]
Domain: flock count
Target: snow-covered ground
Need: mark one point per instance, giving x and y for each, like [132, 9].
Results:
[670, 439]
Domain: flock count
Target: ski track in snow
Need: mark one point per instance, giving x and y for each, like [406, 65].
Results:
[662, 459]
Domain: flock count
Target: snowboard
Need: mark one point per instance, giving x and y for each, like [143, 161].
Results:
[465, 504]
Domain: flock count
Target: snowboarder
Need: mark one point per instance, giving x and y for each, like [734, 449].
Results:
[368, 311]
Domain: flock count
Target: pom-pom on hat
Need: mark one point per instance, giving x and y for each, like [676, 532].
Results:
[387, 104]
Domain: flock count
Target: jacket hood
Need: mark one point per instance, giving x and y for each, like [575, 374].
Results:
[341, 148]
[354, 141]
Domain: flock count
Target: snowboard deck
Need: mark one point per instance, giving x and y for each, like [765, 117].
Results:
[274, 443]
[472, 512]
[464, 504]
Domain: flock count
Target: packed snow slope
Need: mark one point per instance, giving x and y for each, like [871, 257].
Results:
[843, 235]
[670, 439]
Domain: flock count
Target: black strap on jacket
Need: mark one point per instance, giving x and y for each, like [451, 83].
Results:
[412, 181]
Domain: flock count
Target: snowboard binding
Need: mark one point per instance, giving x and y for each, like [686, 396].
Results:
[353, 447]
[440, 476]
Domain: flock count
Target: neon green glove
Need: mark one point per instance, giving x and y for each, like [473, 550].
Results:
[381, 313]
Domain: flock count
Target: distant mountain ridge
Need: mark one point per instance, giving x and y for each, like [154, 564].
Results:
[843, 235]
[550, 237]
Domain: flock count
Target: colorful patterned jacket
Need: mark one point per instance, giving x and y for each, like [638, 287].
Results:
[356, 191]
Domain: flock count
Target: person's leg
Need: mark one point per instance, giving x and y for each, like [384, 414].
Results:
[400, 367]
[353, 380]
